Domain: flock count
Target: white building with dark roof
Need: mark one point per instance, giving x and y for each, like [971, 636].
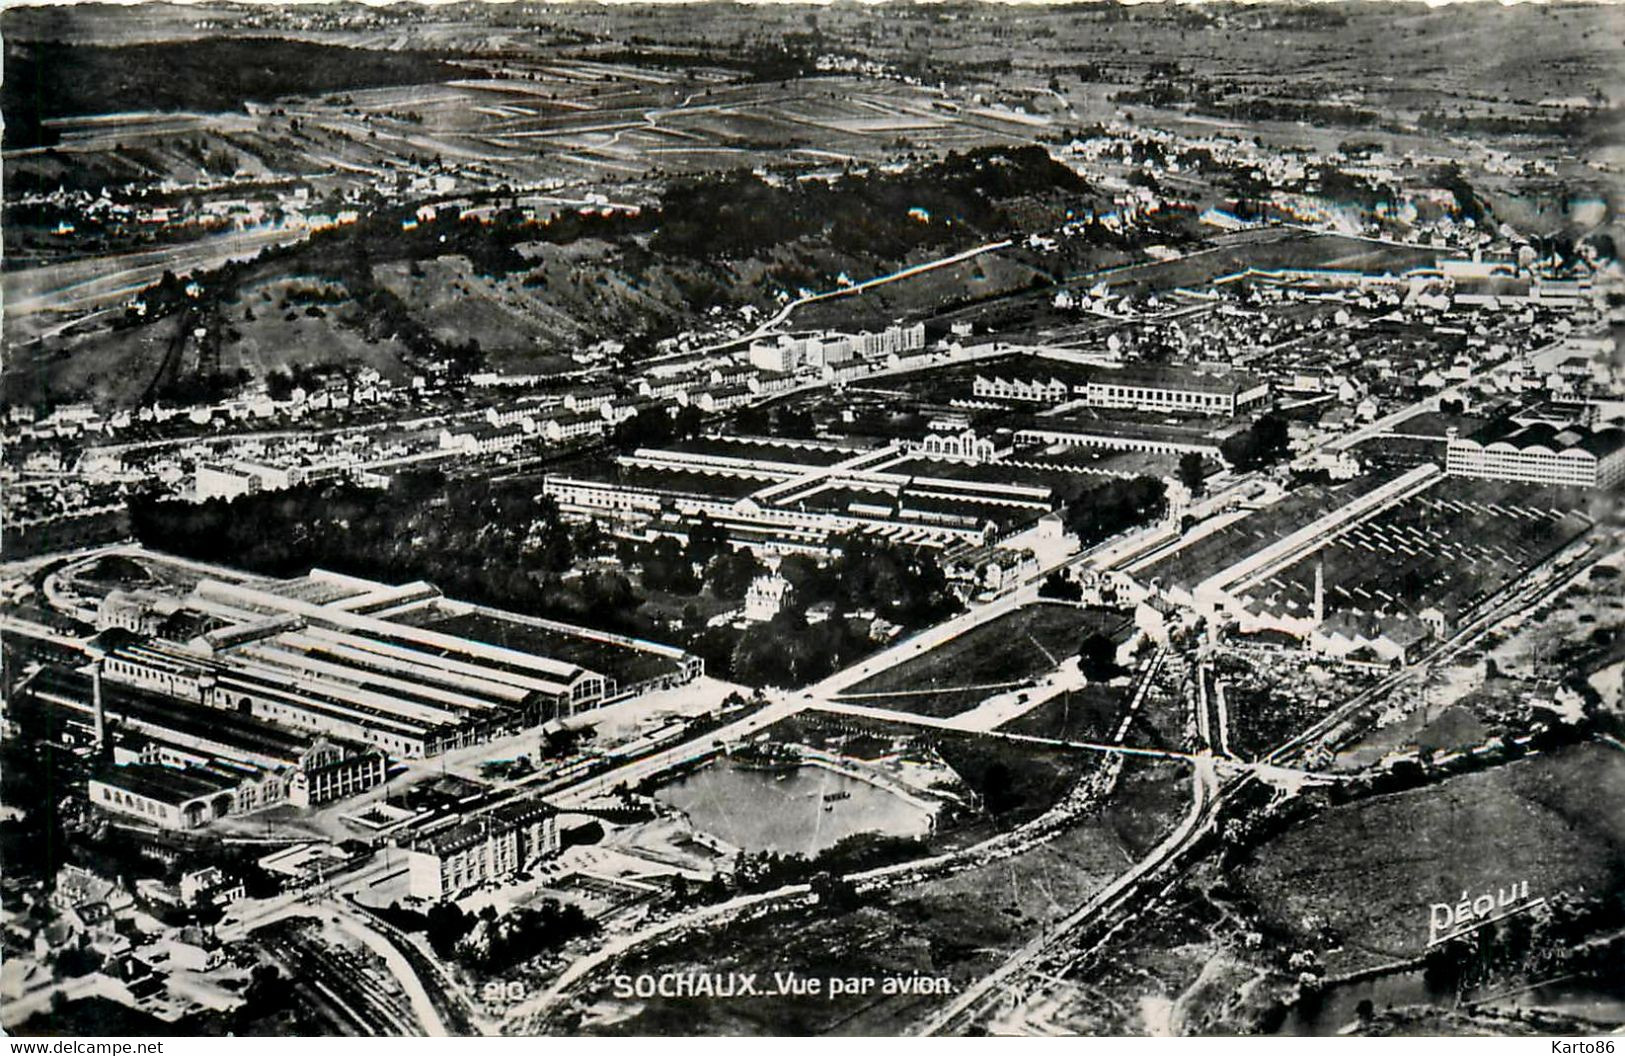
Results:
[1540, 453]
[488, 848]
[1186, 390]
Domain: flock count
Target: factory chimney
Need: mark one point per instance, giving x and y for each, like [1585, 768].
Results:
[1320, 591]
[96, 702]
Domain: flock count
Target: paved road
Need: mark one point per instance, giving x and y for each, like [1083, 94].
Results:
[82, 285]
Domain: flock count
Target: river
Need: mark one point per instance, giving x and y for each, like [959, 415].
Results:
[1338, 1007]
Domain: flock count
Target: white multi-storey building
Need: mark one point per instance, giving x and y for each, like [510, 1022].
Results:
[1177, 389]
[1540, 454]
[488, 848]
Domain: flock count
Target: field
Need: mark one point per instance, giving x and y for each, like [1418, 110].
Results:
[1451, 547]
[273, 327]
[1010, 650]
[1372, 868]
[112, 368]
[1088, 714]
[521, 329]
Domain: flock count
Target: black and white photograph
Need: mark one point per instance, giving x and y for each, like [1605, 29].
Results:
[874, 518]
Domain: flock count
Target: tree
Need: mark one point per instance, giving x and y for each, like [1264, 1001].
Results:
[1095, 512]
[667, 568]
[706, 539]
[1097, 657]
[1260, 444]
[730, 574]
[447, 926]
[1192, 472]
[1059, 586]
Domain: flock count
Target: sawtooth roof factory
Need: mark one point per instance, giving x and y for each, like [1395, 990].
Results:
[298, 690]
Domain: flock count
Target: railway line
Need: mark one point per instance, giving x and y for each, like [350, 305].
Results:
[1049, 956]
[353, 996]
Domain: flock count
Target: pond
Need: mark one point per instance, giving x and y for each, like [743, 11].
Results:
[794, 810]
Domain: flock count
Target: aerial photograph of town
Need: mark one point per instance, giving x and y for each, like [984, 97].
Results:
[776, 519]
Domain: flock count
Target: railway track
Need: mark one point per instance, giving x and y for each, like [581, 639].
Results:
[355, 997]
[1052, 954]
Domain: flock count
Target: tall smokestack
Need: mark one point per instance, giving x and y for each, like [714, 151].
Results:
[1320, 591]
[96, 702]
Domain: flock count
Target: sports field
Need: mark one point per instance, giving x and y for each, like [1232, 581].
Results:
[993, 658]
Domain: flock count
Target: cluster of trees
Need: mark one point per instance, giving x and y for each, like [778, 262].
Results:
[654, 427]
[1097, 511]
[903, 585]
[708, 560]
[501, 545]
[162, 299]
[495, 943]
[789, 651]
[783, 421]
[1058, 586]
[474, 539]
[741, 216]
[280, 383]
[488, 942]
[1097, 657]
[1557, 940]
[1260, 444]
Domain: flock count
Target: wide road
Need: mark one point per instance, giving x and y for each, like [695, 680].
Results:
[83, 285]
